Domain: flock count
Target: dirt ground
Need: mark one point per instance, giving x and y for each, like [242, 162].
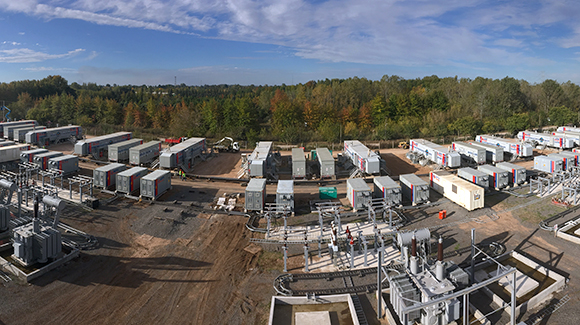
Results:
[168, 262]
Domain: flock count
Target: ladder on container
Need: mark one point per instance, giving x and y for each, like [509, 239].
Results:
[155, 163]
[356, 173]
[360, 314]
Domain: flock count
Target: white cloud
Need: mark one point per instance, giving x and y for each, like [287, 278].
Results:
[49, 69]
[410, 32]
[10, 43]
[25, 55]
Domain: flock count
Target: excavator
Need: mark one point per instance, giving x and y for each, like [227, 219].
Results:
[226, 144]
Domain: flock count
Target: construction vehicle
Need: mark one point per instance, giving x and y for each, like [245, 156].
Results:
[404, 145]
[226, 144]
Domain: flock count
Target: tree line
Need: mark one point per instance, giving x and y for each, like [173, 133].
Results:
[325, 110]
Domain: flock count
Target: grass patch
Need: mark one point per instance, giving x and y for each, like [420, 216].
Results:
[538, 212]
[269, 261]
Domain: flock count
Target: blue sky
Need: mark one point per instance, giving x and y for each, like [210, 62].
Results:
[286, 41]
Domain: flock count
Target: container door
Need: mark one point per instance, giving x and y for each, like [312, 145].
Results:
[150, 188]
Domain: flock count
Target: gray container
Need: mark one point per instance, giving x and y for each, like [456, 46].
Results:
[361, 156]
[285, 196]
[518, 175]
[326, 162]
[359, 194]
[42, 159]
[255, 195]
[414, 188]
[68, 164]
[260, 160]
[475, 176]
[498, 178]
[8, 127]
[493, 154]
[54, 135]
[182, 154]
[298, 163]
[388, 189]
[19, 133]
[98, 146]
[120, 151]
[106, 176]
[573, 157]
[129, 181]
[568, 161]
[155, 184]
[28, 155]
[144, 154]
[469, 152]
[548, 164]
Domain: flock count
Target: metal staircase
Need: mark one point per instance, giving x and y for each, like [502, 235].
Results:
[356, 173]
[155, 163]
[360, 314]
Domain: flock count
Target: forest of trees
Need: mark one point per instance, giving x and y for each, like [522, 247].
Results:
[325, 110]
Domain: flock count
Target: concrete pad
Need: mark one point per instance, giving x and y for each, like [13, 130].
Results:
[312, 318]
[524, 283]
[325, 264]
[577, 232]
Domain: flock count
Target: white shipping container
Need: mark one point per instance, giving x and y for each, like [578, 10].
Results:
[567, 161]
[575, 136]
[435, 153]
[548, 164]
[568, 128]
[517, 148]
[359, 194]
[460, 191]
[474, 153]
[546, 139]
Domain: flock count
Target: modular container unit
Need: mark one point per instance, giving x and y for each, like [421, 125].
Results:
[19, 132]
[567, 129]
[12, 153]
[472, 153]
[575, 156]
[498, 179]
[460, 191]
[26, 156]
[494, 154]
[42, 159]
[68, 164]
[285, 196]
[548, 164]
[155, 184]
[359, 194]
[260, 160]
[182, 154]
[106, 176]
[7, 143]
[144, 154]
[326, 163]
[5, 126]
[567, 161]
[97, 146]
[298, 163]
[54, 135]
[128, 181]
[365, 159]
[475, 176]
[518, 175]
[255, 195]
[546, 139]
[435, 153]
[414, 188]
[575, 136]
[388, 189]
[519, 149]
[120, 151]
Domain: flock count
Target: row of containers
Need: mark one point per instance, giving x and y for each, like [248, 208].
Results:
[466, 188]
[129, 181]
[557, 162]
[51, 160]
